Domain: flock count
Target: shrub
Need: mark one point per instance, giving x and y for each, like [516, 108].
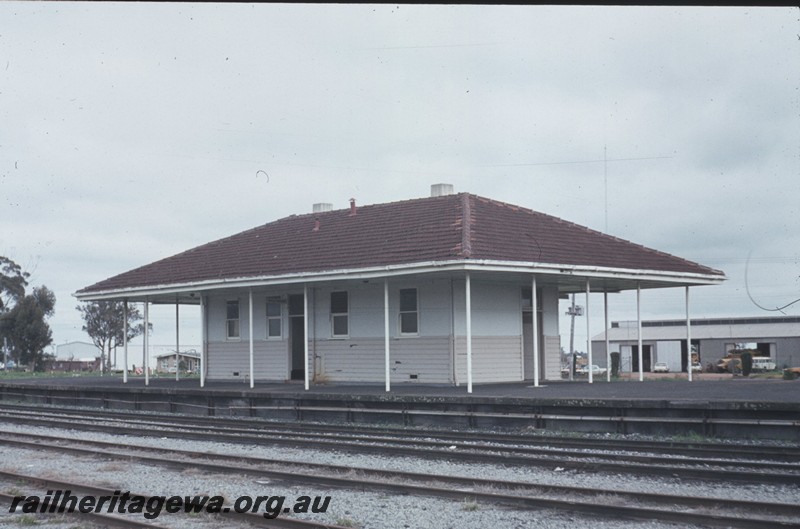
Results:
[615, 364]
[747, 363]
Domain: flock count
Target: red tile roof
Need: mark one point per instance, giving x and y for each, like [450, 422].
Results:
[445, 228]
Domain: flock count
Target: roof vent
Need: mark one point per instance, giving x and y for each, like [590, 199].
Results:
[321, 207]
[440, 190]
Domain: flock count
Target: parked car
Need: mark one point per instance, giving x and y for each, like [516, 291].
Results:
[763, 363]
[596, 370]
[660, 367]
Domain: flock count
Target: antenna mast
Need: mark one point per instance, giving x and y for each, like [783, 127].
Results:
[605, 182]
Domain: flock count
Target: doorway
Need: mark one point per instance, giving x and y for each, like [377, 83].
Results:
[646, 349]
[296, 337]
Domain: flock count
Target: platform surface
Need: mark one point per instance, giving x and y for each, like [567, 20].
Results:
[706, 388]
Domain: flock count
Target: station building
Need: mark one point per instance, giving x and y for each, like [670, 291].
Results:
[436, 290]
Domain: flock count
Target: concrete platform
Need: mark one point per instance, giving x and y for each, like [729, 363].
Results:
[718, 405]
[705, 388]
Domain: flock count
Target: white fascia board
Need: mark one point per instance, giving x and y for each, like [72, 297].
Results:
[595, 272]
[427, 267]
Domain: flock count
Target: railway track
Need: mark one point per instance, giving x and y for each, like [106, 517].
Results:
[678, 509]
[694, 461]
[596, 459]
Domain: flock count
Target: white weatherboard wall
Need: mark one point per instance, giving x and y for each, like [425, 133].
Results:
[437, 354]
[360, 357]
[496, 332]
[228, 357]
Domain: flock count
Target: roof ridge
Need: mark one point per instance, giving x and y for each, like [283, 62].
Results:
[365, 206]
[466, 225]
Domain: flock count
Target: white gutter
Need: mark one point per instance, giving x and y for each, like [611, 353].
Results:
[478, 265]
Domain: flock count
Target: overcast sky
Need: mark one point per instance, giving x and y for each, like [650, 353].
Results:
[130, 132]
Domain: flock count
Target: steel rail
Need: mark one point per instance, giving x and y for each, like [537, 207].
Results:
[492, 456]
[672, 447]
[254, 435]
[279, 522]
[619, 422]
[460, 488]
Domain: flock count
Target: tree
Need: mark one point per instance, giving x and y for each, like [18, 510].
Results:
[104, 322]
[12, 283]
[26, 328]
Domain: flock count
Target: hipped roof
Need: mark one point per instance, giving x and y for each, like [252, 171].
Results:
[458, 228]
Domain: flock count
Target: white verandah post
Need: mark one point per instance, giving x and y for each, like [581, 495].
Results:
[146, 346]
[534, 304]
[387, 369]
[589, 336]
[608, 342]
[250, 324]
[469, 333]
[125, 341]
[639, 329]
[204, 339]
[688, 336]
[305, 337]
[177, 340]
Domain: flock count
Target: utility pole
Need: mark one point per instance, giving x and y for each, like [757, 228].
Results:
[574, 310]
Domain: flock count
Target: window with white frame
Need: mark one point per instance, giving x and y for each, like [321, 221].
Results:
[273, 318]
[409, 313]
[232, 320]
[339, 314]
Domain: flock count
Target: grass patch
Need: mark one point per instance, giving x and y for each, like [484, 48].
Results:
[691, 437]
[469, 506]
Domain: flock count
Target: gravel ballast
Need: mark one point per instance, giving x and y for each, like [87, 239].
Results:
[356, 509]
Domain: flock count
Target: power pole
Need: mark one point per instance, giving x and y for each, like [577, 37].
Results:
[574, 310]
